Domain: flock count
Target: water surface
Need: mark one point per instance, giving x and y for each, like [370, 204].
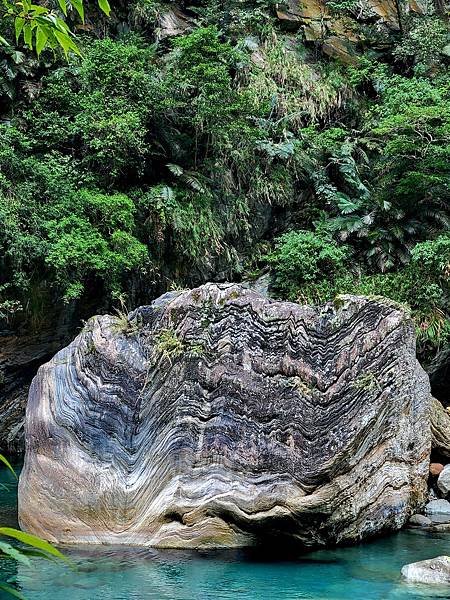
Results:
[366, 572]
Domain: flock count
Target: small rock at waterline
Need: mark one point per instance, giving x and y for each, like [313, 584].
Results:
[443, 481]
[420, 521]
[434, 570]
[438, 511]
[440, 528]
[436, 468]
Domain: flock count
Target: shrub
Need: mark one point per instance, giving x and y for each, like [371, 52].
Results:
[302, 258]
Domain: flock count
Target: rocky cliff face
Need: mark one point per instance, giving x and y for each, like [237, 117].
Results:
[218, 417]
[343, 33]
[340, 29]
[21, 354]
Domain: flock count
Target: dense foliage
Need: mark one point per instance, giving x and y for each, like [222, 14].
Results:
[155, 160]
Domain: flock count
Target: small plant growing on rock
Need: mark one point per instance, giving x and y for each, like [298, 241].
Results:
[306, 388]
[367, 382]
[169, 345]
[196, 350]
[122, 324]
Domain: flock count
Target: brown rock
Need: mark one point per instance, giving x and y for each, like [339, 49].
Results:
[172, 22]
[341, 49]
[299, 10]
[418, 6]
[436, 468]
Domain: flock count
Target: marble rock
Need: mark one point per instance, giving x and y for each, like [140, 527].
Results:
[218, 417]
[419, 521]
[438, 511]
[443, 482]
[432, 571]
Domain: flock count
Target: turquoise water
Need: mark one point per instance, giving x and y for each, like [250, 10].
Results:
[366, 572]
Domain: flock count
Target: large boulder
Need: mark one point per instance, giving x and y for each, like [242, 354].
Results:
[432, 571]
[440, 428]
[419, 521]
[438, 511]
[218, 417]
[443, 481]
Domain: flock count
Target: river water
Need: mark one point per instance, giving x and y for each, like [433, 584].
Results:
[369, 571]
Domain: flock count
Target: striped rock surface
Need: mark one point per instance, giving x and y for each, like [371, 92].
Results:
[217, 417]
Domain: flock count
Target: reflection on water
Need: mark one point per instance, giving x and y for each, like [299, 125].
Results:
[365, 572]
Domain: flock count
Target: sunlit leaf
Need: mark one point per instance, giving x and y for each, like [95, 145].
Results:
[37, 554]
[38, 10]
[28, 36]
[14, 553]
[8, 464]
[41, 39]
[166, 193]
[62, 26]
[66, 43]
[175, 169]
[63, 6]
[18, 25]
[78, 6]
[32, 540]
[104, 5]
[12, 591]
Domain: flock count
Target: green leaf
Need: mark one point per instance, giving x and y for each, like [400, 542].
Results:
[7, 463]
[38, 10]
[14, 553]
[18, 57]
[41, 39]
[166, 193]
[62, 26]
[65, 42]
[37, 554]
[18, 25]
[28, 36]
[3, 41]
[12, 591]
[63, 6]
[78, 6]
[104, 5]
[32, 540]
[347, 206]
[175, 169]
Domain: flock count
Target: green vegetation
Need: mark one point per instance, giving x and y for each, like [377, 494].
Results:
[151, 160]
[305, 258]
[312, 269]
[169, 345]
